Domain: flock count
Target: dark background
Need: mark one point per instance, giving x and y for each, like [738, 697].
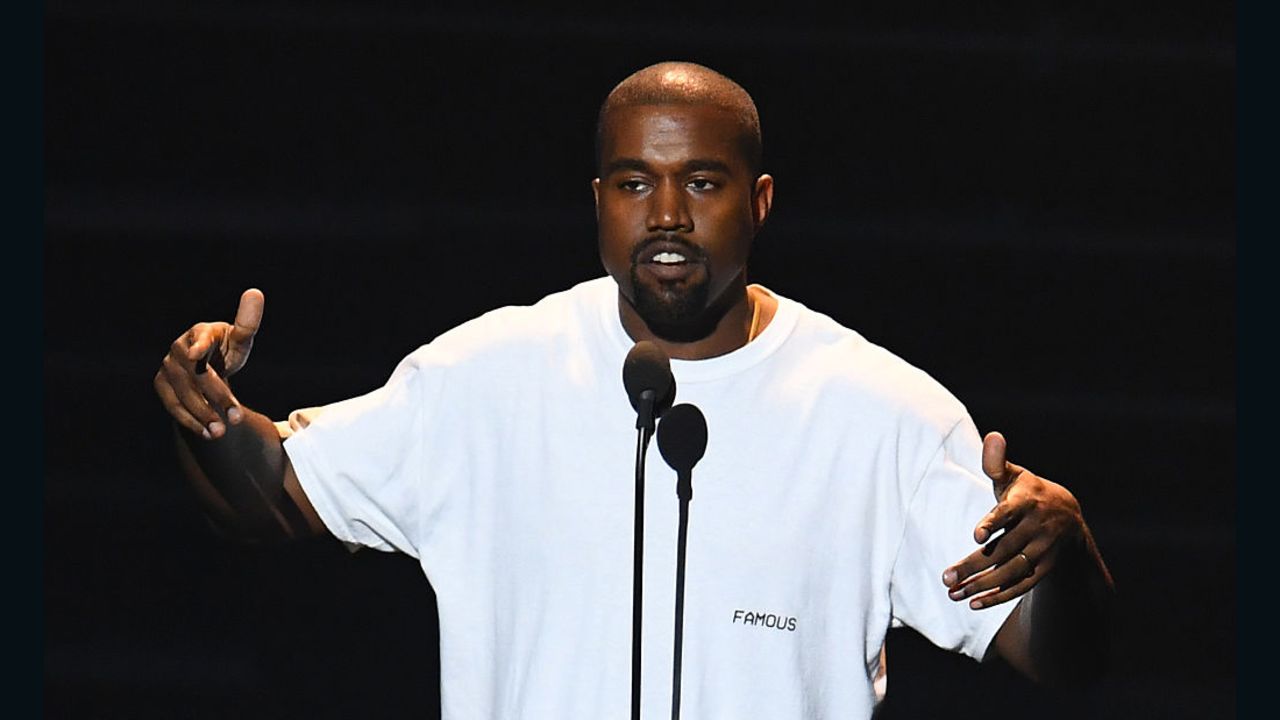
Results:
[1036, 205]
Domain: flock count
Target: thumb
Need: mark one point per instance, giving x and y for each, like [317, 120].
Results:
[994, 464]
[248, 319]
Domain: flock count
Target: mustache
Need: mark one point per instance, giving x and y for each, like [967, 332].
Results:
[691, 251]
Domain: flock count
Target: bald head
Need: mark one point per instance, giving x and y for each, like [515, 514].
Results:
[684, 83]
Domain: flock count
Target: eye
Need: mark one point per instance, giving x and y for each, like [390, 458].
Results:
[635, 186]
[701, 185]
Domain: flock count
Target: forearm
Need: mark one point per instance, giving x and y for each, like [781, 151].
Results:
[239, 479]
[1065, 620]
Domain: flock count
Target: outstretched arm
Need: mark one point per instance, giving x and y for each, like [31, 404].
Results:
[1037, 545]
[232, 455]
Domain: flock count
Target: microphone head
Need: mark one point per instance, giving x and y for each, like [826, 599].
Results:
[647, 368]
[682, 437]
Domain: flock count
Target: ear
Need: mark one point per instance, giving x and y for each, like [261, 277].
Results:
[595, 192]
[761, 200]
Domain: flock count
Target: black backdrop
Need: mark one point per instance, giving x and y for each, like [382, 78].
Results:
[1037, 206]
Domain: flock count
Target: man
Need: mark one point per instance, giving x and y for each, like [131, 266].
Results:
[841, 491]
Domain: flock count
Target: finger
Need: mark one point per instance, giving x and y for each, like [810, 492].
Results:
[197, 342]
[998, 550]
[218, 394]
[1016, 587]
[248, 317]
[994, 447]
[180, 379]
[1002, 516]
[169, 399]
[974, 563]
[1003, 574]
[1000, 576]
[1005, 594]
[1009, 571]
[202, 363]
[996, 465]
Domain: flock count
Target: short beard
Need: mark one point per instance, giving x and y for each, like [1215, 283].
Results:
[673, 313]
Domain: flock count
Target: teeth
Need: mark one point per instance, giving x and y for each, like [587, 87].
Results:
[668, 258]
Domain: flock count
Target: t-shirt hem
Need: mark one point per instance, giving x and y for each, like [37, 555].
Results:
[301, 454]
[980, 645]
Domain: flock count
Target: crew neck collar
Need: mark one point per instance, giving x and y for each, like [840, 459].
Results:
[694, 371]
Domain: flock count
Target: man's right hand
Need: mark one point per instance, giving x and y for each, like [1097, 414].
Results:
[191, 381]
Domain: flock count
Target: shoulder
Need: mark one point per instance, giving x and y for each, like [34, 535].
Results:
[502, 334]
[545, 322]
[865, 374]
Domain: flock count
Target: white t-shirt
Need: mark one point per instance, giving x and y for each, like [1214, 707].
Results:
[838, 483]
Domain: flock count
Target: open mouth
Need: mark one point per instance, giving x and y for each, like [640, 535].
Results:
[668, 261]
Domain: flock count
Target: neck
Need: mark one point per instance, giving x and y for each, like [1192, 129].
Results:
[742, 309]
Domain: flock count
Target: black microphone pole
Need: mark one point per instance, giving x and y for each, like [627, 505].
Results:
[684, 489]
[646, 375]
[643, 433]
[682, 440]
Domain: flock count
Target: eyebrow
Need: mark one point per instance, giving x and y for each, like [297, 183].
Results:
[638, 165]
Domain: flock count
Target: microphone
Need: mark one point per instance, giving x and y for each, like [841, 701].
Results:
[646, 375]
[682, 440]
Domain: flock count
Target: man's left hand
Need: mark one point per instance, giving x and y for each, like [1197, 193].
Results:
[1038, 518]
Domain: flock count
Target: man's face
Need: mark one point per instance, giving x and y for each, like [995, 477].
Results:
[677, 207]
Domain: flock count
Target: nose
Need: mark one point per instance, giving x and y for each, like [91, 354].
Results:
[668, 210]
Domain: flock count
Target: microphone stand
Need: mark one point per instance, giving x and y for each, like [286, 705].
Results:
[682, 439]
[684, 490]
[644, 431]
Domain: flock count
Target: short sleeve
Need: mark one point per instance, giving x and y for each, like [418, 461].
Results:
[362, 462]
[951, 497]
